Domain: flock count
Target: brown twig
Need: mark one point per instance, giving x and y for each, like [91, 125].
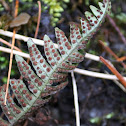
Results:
[10, 45]
[121, 59]
[114, 71]
[112, 22]
[38, 22]
[11, 55]
[112, 53]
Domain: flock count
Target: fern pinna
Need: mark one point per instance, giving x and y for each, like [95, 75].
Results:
[51, 73]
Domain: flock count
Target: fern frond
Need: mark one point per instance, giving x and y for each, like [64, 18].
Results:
[51, 73]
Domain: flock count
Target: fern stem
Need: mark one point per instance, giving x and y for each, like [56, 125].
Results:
[41, 43]
[8, 44]
[76, 70]
[76, 104]
[7, 50]
[24, 38]
[92, 57]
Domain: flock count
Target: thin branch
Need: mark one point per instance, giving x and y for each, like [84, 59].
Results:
[41, 43]
[92, 57]
[112, 53]
[16, 8]
[76, 104]
[112, 22]
[7, 50]
[96, 74]
[114, 71]
[8, 44]
[24, 38]
[77, 70]
[121, 59]
[11, 55]
[38, 22]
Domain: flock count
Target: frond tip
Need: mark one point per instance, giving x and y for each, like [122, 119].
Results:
[95, 18]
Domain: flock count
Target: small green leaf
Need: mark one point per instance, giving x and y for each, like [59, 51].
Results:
[57, 14]
[2, 59]
[58, 8]
[4, 79]
[109, 116]
[95, 120]
[122, 17]
[55, 19]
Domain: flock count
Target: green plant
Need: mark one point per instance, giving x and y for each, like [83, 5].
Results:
[121, 17]
[55, 9]
[97, 120]
[3, 64]
[51, 74]
[1, 8]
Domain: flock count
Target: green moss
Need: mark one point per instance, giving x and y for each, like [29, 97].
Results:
[55, 9]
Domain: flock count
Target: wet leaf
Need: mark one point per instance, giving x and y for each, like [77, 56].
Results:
[22, 19]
